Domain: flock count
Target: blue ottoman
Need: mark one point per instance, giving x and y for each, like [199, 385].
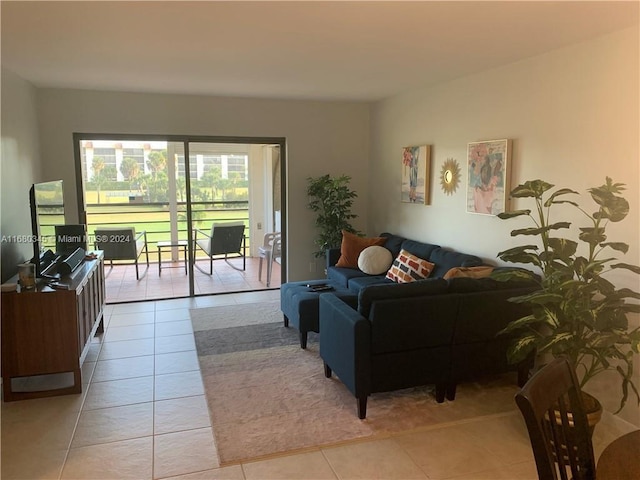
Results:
[300, 305]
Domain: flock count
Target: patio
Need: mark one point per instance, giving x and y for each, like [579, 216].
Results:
[122, 286]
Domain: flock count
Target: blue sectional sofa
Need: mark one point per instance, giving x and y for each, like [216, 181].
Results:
[431, 331]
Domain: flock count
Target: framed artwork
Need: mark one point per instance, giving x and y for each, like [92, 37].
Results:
[416, 168]
[488, 167]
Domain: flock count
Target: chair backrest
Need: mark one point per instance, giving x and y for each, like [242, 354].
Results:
[269, 239]
[226, 238]
[277, 247]
[117, 243]
[551, 404]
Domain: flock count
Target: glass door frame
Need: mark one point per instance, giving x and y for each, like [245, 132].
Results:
[186, 140]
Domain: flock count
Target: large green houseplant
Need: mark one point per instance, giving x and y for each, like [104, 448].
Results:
[332, 199]
[576, 312]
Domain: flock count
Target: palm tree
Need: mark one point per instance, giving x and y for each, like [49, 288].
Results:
[130, 170]
[157, 162]
[97, 165]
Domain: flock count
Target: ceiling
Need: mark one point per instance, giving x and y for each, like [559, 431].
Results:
[361, 51]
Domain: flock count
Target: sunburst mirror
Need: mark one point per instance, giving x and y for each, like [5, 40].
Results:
[450, 176]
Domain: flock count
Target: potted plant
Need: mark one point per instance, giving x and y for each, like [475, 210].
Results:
[331, 198]
[576, 312]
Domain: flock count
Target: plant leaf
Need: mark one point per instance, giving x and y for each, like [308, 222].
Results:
[513, 214]
[540, 230]
[626, 266]
[531, 188]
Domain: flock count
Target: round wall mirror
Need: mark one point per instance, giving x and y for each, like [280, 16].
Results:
[450, 176]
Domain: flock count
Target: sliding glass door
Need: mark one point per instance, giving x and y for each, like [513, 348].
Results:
[175, 190]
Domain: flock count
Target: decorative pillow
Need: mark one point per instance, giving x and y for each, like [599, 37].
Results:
[374, 260]
[469, 272]
[351, 247]
[408, 268]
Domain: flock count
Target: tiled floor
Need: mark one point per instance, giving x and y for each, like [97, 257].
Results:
[143, 415]
[172, 282]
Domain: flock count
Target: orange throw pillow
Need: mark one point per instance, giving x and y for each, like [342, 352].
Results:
[469, 272]
[351, 247]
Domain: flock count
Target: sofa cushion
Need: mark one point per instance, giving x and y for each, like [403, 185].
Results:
[469, 272]
[374, 260]
[469, 285]
[419, 249]
[409, 268]
[358, 283]
[391, 290]
[393, 243]
[342, 276]
[351, 247]
[445, 260]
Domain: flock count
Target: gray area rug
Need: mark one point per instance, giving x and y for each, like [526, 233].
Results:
[267, 396]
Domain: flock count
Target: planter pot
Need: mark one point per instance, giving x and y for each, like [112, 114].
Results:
[592, 408]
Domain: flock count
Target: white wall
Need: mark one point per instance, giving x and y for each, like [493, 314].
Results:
[573, 116]
[19, 168]
[322, 137]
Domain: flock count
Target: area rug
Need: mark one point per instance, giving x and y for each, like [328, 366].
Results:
[267, 396]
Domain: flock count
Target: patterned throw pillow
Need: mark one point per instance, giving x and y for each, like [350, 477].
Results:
[409, 268]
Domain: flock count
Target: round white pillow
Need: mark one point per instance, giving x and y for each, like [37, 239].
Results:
[375, 260]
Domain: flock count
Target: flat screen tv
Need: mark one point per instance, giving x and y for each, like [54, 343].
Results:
[46, 200]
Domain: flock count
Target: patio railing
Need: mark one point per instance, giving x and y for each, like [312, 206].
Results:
[155, 219]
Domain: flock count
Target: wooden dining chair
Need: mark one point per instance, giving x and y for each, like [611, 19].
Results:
[551, 404]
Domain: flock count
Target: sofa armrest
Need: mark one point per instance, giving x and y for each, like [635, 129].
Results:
[332, 256]
[346, 344]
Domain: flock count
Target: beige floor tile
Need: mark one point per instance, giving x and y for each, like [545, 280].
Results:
[181, 327]
[184, 452]
[114, 424]
[233, 472]
[46, 423]
[448, 452]
[133, 332]
[172, 315]
[179, 414]
[29, 462]
[215, 300]
[310, 465]
[175, 343]
[127, 459]
[121, 368]
[382, 459]
[127, 348]
[176, 362]
[119, 392]
[133, 307]
[505, 436]
[261, 296]
[87, 372]
[93, 352]
[132, 318]
[176, 385]
[175, 303]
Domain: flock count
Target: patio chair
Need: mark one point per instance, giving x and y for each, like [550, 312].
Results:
[225, 239]
[122, 243]
[269, 251]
